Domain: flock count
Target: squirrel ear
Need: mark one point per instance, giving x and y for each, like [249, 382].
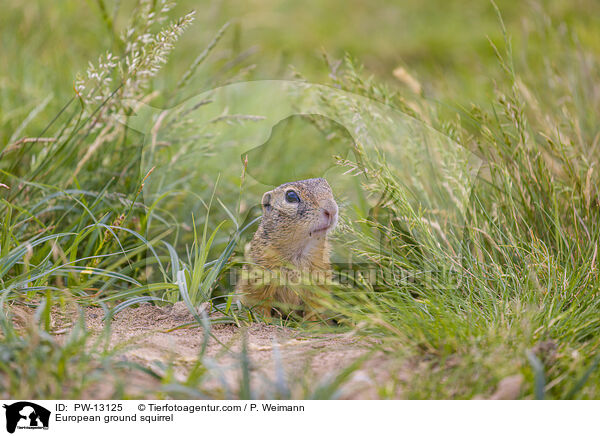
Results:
[266, 201]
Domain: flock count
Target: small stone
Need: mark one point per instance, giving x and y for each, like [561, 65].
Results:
[509, 388]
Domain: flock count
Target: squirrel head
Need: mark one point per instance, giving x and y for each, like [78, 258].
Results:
[297, 216]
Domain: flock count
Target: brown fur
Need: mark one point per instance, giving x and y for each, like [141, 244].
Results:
[289, 247]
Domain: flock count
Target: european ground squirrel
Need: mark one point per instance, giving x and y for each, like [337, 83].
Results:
[289, 253]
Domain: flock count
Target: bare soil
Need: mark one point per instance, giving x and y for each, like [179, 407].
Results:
[278, 356]
[168, 340]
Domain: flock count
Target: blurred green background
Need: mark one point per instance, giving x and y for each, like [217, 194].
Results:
[442, 43]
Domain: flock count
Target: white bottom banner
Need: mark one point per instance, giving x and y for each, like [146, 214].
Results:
[157, 417]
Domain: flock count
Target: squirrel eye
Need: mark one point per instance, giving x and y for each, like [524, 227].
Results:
[292, 197]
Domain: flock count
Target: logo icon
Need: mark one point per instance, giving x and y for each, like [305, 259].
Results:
[26, 415]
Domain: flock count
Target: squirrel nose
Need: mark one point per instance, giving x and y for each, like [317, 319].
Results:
[330, 214]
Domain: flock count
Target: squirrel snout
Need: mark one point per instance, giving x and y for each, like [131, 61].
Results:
[326, 219]
[330, 214]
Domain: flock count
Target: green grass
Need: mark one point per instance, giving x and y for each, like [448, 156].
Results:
[515, 277]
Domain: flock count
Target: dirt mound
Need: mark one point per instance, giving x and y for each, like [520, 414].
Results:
[278, 357]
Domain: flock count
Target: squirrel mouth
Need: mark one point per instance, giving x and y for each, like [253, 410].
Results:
[316, 232]
[321, 230]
